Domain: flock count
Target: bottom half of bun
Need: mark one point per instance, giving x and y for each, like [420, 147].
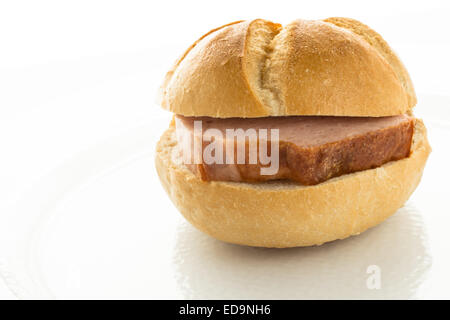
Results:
[286, 214]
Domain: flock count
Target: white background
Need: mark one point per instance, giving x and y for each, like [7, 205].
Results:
[73, 73]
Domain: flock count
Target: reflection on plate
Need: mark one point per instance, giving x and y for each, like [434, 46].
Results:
[209, 269]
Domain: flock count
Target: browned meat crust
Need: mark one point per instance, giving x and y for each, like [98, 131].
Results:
[312, 149]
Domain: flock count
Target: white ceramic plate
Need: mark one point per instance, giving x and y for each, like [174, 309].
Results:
[100, 226]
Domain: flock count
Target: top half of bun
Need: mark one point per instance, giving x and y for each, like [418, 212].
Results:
[336, 66]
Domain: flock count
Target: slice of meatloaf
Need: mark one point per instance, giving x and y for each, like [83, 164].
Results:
[312, 149]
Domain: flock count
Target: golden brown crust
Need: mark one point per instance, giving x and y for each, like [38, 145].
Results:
[378, 43]
[210, 79]
[285, 214]
[257, 68]
[169, 74]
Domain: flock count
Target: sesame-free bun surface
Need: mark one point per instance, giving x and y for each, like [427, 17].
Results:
[336, 66]
[286, 214]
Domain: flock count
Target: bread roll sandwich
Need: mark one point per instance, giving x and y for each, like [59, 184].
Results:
[287, 136]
